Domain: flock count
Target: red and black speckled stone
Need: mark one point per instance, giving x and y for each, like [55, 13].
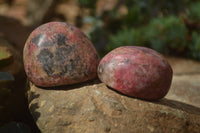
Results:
[136, 71]
[57, 54]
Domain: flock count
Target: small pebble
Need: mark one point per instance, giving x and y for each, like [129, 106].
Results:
[106, 128]
[91, 119]
[136, 71]
[57, 53]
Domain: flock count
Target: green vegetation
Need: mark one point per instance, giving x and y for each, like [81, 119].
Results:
[194, 47]
[167, 34]
[5, 57]
[193, 12]
[126, 37]
[170, 27]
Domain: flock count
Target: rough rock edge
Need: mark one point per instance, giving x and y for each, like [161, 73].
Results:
[92, 107]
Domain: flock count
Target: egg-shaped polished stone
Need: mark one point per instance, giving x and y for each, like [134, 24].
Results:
[57, 53]
[136, 71]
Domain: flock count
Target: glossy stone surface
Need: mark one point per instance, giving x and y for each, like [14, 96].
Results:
[136, 71]
[57, 53]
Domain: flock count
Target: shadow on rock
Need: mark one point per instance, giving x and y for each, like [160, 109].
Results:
[168, 102]
[73, 86]
[179, 105]
[34, 113]
[34, 106]
[32, 95]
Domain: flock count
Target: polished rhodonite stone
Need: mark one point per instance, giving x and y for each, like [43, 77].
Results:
[57, 54]
[136, 71]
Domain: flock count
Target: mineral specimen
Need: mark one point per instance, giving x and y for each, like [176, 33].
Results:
[136, 71]
[56, 53]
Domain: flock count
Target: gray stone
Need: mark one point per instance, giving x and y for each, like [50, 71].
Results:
[94, 108]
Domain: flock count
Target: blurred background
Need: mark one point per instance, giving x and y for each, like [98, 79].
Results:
[170, 27]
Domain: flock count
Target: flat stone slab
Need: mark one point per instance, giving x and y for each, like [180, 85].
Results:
[182, 66]
[94, 108]
[185, 88]
[186, 81]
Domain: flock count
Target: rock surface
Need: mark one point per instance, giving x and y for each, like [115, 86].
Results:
[92, 107]
[58, 53]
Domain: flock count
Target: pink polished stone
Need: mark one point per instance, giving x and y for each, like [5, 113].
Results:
[136, 71]
[57, 54]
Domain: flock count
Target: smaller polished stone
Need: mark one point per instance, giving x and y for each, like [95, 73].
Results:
[57, 53]
[136, 71]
